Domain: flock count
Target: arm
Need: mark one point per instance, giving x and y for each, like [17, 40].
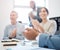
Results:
[30, 16]
[5, 33]
[30, 24]
[52, 28]
[37, 26]
[13, 33]
[30, 33]
[20, 30]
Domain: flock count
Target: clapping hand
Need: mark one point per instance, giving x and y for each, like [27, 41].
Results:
[30, 33]
[37, 25]
[13, 34]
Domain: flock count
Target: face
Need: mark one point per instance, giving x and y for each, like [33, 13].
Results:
[13, 16]
[43, 14]
[32, 4]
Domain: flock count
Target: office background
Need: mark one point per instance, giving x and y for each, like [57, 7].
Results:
[7, 5]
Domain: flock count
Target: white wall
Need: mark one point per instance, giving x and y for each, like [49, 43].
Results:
[5, 7]
[54, 7]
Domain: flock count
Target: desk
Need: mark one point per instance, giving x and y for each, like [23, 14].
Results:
[5, 47]
[20, 43]
[22, 46]
[29, 48]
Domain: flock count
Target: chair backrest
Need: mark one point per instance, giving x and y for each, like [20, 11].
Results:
[20, 21]
[57, 19]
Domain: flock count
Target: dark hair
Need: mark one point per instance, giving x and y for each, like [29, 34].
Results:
[45, 9]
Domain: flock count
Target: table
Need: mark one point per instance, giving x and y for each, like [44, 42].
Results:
[29, 48]
[23, 45]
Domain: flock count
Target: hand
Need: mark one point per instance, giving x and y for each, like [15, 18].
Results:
[37, 25]
[31, 15]
[30, 33]
[13, 34]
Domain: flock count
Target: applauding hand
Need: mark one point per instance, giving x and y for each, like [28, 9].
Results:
[30, 33]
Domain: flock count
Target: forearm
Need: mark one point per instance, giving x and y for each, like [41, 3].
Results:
[5, 34]
[40, 29]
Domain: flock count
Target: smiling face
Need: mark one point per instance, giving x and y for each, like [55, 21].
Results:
[13, 16]
[43, 13]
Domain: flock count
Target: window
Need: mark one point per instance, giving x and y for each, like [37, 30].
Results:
[22, 7]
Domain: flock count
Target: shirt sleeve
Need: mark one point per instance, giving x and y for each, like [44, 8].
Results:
[5, 33]
[52, 28]
[20, 29]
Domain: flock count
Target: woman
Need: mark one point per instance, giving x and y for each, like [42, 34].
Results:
[46, 26]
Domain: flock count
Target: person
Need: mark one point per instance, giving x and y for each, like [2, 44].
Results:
[49, 41]
[11, 30]
[46, 26]
[34, 13]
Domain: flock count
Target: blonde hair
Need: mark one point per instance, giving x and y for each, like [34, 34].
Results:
[15, 13]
